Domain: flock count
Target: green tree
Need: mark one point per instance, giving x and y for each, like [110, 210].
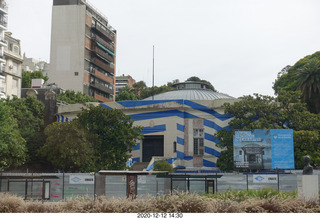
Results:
[163, 165]
[68, 147]
[72, 97]
[308, 81]
[113, 136]
[304, 75]
[126, 94]
[29, 114]
[27, 77]
[265, 112]
[12, 145]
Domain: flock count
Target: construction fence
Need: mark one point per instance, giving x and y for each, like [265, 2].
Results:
[61, 186]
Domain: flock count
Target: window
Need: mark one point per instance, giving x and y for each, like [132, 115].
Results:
[16, 50]
[76, 73]
[198, 142]
[14, 67]
[174, 147]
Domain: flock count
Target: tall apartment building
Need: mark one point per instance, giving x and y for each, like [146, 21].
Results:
[123, 81]
[3, 28]
[31, 64]
[13, 68]
[83, 50]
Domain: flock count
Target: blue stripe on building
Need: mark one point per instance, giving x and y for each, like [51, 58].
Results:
[207, 163]
[105, 106]
[180, 140]
[211, 124]
[137, 147]
[156, 115]
[58, 117]
[180, 127]
[210, 137]
[136, 159]
[180, 155]
[212, 151]
[157, 128]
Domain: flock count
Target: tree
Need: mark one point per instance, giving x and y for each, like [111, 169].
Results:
[163, 165]
[29, 114]
[126, 94]
[265, 112]
[113, 136]
[68, 147]
[27, 77]
[12, 145]
[304, 75]
[72, 97]
[308, 81]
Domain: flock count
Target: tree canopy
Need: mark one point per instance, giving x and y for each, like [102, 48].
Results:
[265, 112]
[29, 114]
[72, 97]
[12, 145]
[68, 147]
[98, 139]
[27, 77]
[304, 75]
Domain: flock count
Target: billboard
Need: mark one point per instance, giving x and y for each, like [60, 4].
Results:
[263, 149]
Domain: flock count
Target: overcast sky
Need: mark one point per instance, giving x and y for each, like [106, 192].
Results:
[237, 45]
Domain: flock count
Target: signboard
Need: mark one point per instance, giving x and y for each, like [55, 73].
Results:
[263, 149]
[265, 178]
[81, 179]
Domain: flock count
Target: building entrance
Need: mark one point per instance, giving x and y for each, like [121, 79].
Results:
[152, 145]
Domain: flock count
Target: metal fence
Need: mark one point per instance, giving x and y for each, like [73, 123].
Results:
[60, 186]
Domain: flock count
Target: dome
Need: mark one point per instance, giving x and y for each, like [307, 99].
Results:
[190, 91]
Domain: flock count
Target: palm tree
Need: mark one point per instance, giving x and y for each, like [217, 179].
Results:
[308, 81]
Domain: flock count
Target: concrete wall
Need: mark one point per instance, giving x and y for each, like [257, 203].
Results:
[67, 46]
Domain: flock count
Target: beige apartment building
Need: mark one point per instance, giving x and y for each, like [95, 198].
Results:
[3, 28]
[83, 50]
[13, 70]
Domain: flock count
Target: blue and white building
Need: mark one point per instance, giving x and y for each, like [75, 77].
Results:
[179, 126]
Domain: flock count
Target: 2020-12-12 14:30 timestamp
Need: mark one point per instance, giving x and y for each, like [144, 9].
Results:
[160, 215]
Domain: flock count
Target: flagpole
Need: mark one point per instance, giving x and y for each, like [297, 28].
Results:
[153, 75]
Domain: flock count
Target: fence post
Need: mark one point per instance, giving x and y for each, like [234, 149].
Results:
[247, 181]
[278, 179]
[63, 185]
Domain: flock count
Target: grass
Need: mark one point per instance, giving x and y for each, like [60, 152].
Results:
[231, 201]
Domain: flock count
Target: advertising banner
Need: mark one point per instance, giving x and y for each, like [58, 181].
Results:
[263, 149]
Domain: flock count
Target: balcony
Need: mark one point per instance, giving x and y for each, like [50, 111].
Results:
[104, 31]
[3, 7]
[3, 22]
[102, 65]
[103, 76]
[102, 42]
[102, 53]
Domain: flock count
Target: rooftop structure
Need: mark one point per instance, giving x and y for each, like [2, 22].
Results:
[190, 90]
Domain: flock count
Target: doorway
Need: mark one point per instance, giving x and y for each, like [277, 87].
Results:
[152, 145]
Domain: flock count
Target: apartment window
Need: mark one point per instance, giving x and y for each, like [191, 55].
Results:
[76, 73]
[198, 142]
[10, 47]
[15, 68]
[16, 50]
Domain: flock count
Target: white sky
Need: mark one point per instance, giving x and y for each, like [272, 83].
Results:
[237, 45]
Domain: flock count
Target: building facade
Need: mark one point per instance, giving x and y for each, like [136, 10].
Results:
[180, 131]
[83, 50]
[3, 28]
[31, 64]
[123, 81]
[12, 71]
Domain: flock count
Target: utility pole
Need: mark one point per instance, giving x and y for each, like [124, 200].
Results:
[153, 75]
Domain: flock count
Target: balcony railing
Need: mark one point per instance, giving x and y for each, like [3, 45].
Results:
[102, 42]
[102, 53]
[3, 21]
[102, 65]
[103, 31]
[3, 6]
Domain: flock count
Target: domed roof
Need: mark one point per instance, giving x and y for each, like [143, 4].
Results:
[190, 91]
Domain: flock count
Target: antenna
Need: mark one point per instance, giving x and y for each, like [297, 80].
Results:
[153, 75]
